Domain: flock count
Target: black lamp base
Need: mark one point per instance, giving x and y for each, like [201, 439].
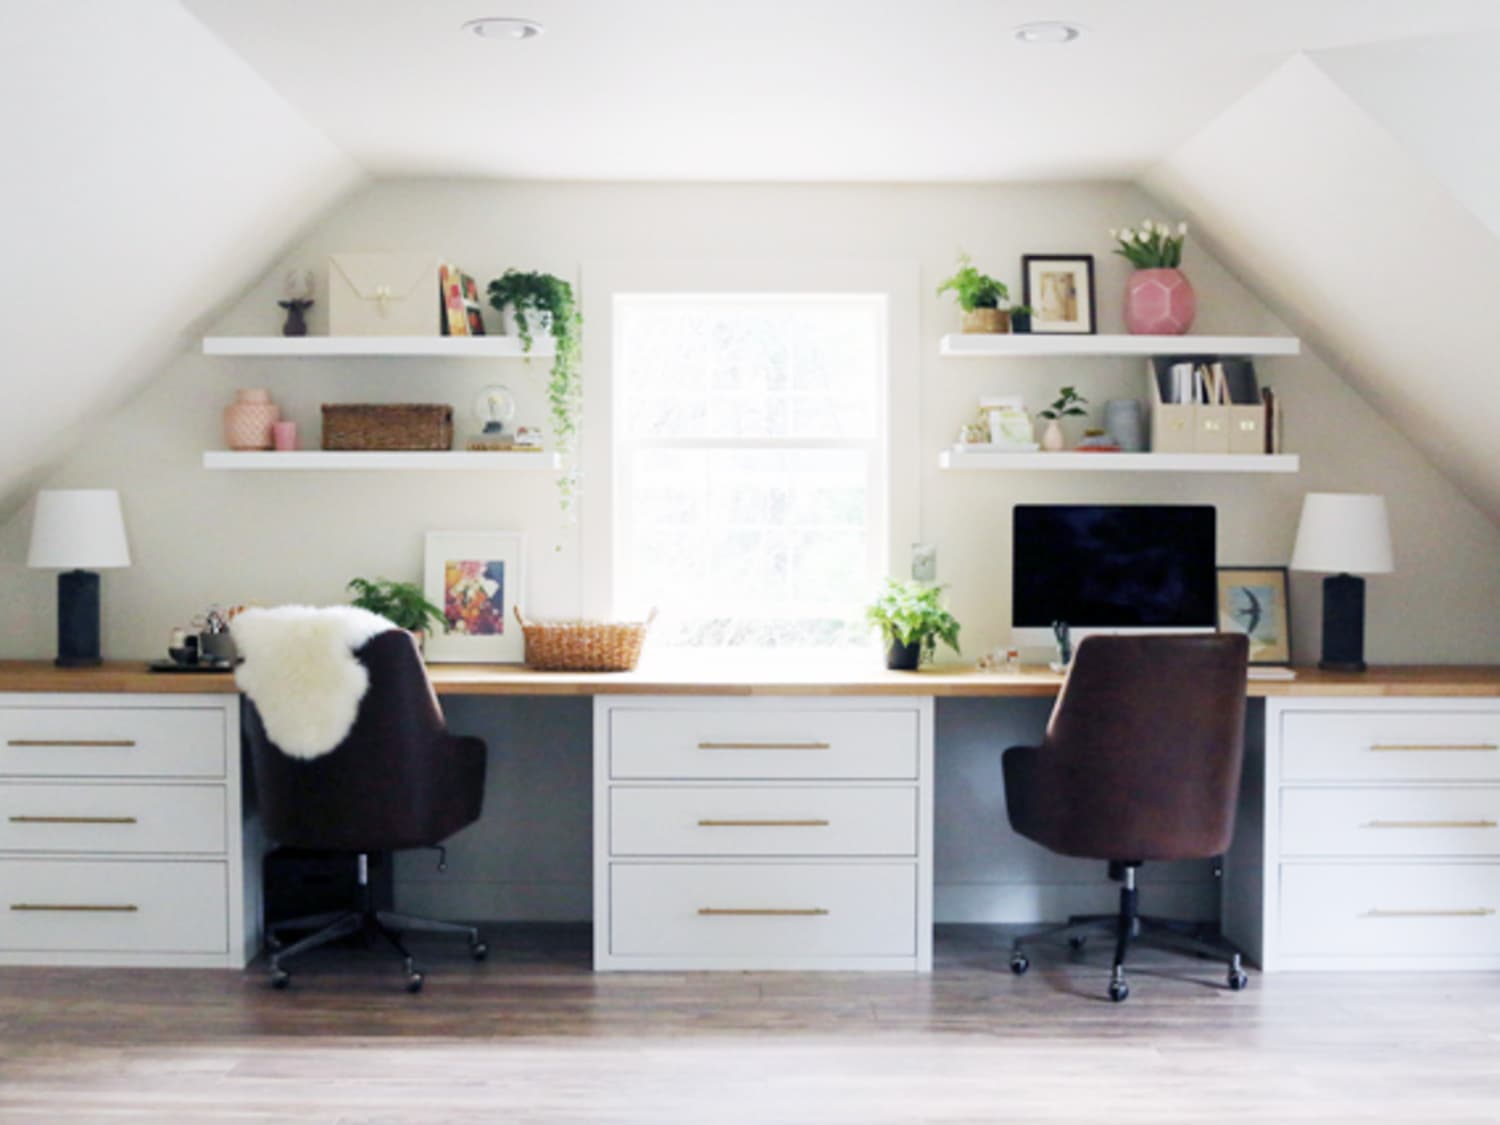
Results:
[1343, 624]
[78, 619]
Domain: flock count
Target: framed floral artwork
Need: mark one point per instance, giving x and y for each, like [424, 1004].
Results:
[475, 578]
[1253, 601]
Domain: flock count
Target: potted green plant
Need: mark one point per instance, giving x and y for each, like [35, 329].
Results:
[1020, 318]
[980, 297]
[911, 619]
[542, 302]
[1068, 404]
[401, 603]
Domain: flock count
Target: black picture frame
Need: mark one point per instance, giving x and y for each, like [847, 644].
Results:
[1080, 267]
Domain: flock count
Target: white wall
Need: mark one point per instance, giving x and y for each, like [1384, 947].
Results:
[202, 537]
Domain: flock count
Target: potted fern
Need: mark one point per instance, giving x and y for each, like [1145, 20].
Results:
[543, 302]
[911, 620]
[980, 297]
[401, 603]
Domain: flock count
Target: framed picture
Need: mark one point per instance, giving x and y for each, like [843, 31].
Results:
[1253, 601]
[475, 577]
[1059, 288]
[473, 310]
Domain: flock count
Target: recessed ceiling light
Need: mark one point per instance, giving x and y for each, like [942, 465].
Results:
[504, 27]
[1048, 33]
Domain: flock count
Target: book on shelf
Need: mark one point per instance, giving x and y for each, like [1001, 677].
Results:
[451, 301]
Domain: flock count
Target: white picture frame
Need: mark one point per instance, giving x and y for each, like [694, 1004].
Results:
[476, 578]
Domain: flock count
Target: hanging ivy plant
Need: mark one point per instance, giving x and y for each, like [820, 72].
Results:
[541, 302]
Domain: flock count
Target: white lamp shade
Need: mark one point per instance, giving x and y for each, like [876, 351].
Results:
[1343, 533]
[78, 528]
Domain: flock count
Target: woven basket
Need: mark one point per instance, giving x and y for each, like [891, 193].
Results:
[583, 646]
[400, 426]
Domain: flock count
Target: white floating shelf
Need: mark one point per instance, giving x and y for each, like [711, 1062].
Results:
[1124, 462]
[978, 345]
[322, 459]
[376, 347]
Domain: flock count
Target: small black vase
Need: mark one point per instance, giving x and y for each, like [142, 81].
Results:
[1020, 323]
[903, 658]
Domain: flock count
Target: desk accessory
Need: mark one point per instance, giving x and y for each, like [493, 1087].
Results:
[584, 646]
[1344, 534]
[475, 578]
[911, 620]
[77, 531]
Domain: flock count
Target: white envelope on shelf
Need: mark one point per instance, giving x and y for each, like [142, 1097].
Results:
[384, 294]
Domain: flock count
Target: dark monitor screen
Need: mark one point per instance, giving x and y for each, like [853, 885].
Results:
[1113, 566]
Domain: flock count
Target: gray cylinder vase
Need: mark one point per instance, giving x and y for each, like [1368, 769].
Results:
[1125, 419]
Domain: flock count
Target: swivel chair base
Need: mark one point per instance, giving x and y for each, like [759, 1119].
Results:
[385, 924]
[1128, 926]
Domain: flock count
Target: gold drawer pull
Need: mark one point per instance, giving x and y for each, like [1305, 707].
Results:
[74, 820]
[72, 908]
[1476, 912]
[1430, 824]
[1388, 746]
[764, 746]
[85, 743]
[763, 824]
[727, 912]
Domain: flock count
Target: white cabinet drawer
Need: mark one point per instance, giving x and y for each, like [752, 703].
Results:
[1410, 744]
[761, 744]
[749, 820]
[74, 741]
[762, 912]
[113, 818]
[1395, 821]
[1390, 910]
[77, 906]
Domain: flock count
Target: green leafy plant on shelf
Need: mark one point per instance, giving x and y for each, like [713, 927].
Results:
[1068, 404]
[544, 302]
[908, 613]
[401, 603]
[973, 289]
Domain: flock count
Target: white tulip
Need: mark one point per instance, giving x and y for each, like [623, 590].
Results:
[1146, 225]
[1113, 233]
[1127, 235]
[1182, 229]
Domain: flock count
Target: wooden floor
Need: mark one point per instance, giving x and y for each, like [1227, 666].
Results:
[533, 1037]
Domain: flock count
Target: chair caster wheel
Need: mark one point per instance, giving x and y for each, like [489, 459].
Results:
[1118, 990]
[414, 982]
[1237, 981]
[1077, 943]
[479, 951]
[1019, 963]
[280, 978]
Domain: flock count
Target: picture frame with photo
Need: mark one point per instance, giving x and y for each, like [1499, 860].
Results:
[1059, 289]
[476, 578]
[473, 307]
[1253, 601]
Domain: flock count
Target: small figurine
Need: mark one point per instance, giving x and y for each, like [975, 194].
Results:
[297, 289]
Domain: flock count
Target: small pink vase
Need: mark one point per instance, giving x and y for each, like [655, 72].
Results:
[1159, 303]
[248, 420]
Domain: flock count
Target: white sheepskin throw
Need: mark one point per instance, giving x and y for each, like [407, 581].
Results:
[300, 671]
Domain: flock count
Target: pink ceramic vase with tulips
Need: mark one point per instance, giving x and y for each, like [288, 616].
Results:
[1159, 299]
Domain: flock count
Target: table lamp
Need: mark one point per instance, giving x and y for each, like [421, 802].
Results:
[1343, 534]
[76, 529]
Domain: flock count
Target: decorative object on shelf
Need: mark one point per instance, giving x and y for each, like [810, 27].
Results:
[493, 407]
[584, 646]
[248, 420]
[1007, 425]
[980, 297]
[1020, 319]
[1343, 534]
[911, 620]
[284, 436]
[387, 426]
[1068, 404]
[400, 603]
[385, 294]
[1253, 601]
[1124, 419]
[1097, 441]
[476, 578]
[296, 292]
[1159, 301]
[536, 300]
[451, 286]
[1059, 289]
[78, 531]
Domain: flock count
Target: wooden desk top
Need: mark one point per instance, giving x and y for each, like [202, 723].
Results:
[737, 676]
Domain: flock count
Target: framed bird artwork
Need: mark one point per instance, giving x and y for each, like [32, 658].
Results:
[1253, 601]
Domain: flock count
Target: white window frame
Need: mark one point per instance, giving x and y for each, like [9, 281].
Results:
[895, 476]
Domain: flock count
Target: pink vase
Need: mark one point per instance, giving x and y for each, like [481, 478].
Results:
[248, 421]
[1159, 303]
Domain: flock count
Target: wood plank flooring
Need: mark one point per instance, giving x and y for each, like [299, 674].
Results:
[533, 1036]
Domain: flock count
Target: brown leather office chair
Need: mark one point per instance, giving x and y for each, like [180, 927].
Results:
[397, 780]
[1141, 761]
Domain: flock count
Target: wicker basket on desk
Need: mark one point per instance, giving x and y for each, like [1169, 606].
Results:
[583, 646]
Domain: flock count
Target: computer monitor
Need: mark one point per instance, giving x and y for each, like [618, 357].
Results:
[1112, 568]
